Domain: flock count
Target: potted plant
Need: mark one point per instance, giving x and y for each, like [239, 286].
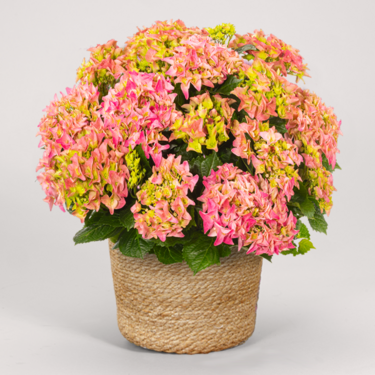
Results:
[193, 154]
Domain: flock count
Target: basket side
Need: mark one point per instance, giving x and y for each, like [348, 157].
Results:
[166, 308]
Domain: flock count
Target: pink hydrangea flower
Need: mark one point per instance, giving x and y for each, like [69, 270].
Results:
[162, 201]
[104, 67]
[206, 123]
[199, 61]
[83, 166]
[138, 109]
[237, 205]
[282, 57]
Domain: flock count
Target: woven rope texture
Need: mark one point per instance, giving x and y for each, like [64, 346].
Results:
[166, 308]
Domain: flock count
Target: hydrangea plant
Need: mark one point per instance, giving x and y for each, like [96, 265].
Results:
[186, 142]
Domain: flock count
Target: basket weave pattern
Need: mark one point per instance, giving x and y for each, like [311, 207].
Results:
[166, 308]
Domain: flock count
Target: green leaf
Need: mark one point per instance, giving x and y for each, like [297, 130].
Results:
[145, 162]
[115, 236]
[94, 233]
[168, 255]
[303, 201]
[318, 222]
[133, 245]
[196, 165]
[281, 129]
[303, 231]
[226, 155]
[126, 217]
[279, 124]
[266, 256]
[300, 195]
[201, 253]
[224, 250]
[307, 207]
[180, 98]
[304, 246]
[181, 150]
[294, 209]
[246, 47]
[192, 222]
[325, 163]
[328, 166]
[228, 86]
[242, 164]
[238, 115]
[69, 209]
[112, 220]
[293, 252]
[93, 217]
[209, 163]
[170, 241]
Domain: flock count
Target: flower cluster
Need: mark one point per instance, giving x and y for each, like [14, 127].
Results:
[282, 57]
[274, 156]
[83, 167]
[237, 205]
[162, 201]
[104, 66]
[199, 61]
[263, 92]
[187, 55]
[222, 33]
[315, 128]
[311, 129]
[137, 173]
[138, 109]
[146, 50]
[182, 117]
[205, 124]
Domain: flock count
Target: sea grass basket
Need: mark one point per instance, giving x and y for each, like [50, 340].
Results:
[166, 308]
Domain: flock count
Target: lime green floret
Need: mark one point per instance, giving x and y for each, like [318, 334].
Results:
[222, 33]
[205, 124]
[137, 173]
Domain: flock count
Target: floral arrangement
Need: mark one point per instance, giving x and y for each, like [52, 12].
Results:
[188, 141]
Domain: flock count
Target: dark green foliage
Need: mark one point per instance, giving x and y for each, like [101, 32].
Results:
[131, 244]
[192, 223]
[246, 47]
[126, 216]
[168, 255]
[95, 233]
[307, 208]
[303, 231]
[304, 246]
[180, 98]
[179, 148]
[201, 253]
[196, 248]
[204, 165]
[267, 257]
[210, 163]
[279, 124]
[327, 166]
[172, 241]
[145, 162]
[303, 201]
[318, 222]
[228, 86]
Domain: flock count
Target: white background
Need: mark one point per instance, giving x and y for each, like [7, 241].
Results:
[57, 307]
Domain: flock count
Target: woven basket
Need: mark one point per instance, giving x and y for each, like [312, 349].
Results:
[166, 308]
